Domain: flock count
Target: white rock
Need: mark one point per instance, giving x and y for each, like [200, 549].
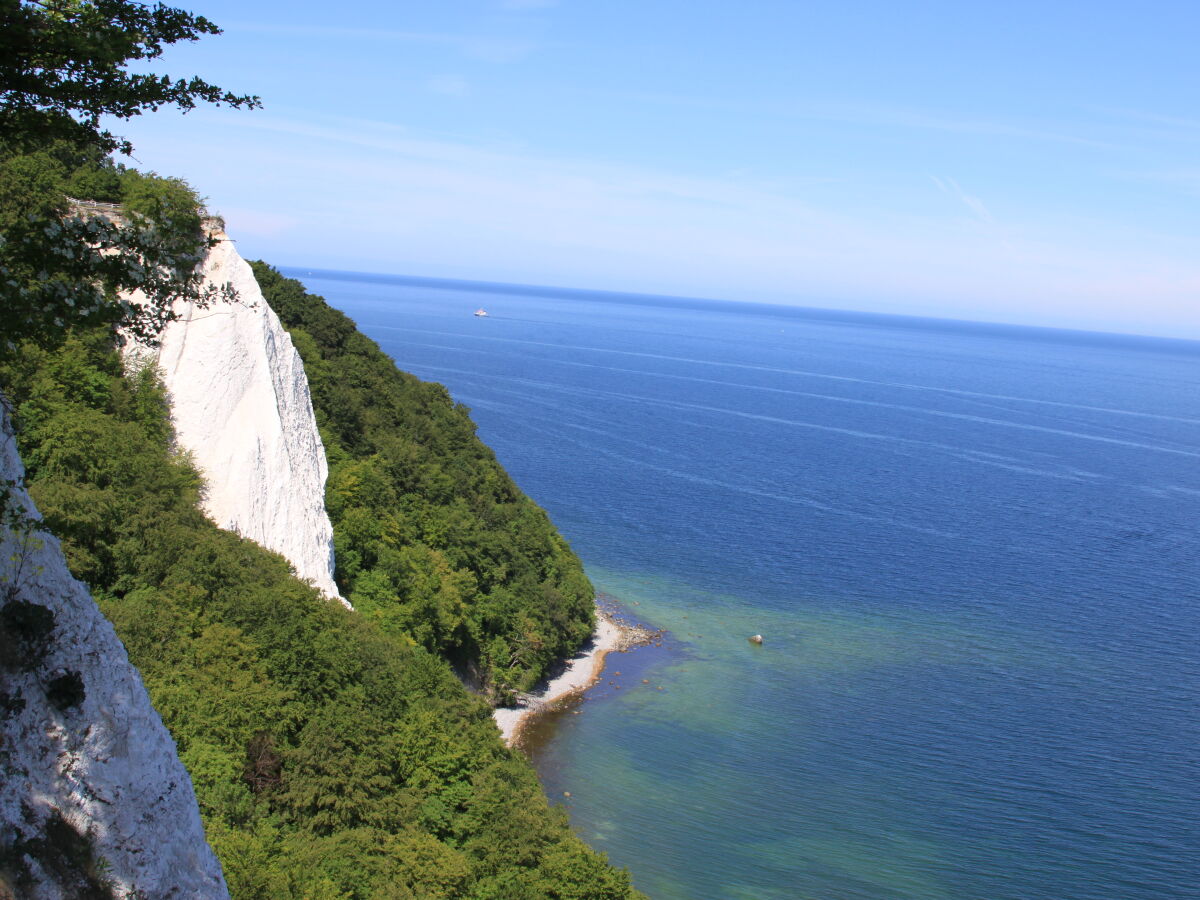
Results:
[241, 406]
[108, 766]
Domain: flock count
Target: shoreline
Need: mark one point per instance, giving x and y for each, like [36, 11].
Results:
[579, 673]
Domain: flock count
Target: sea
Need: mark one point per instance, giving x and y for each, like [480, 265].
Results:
[970, 550]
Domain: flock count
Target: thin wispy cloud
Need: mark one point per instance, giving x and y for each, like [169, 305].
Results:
[874, 116]
[448, 85]
[1183, 179]
[951, 187]
[483, 47]
[527, 4]
[1154, 118]
[903, 117]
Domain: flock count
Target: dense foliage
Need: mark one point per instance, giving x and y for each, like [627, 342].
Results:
[433, 540]
[62, 262]
[63, 65]
[331, 759]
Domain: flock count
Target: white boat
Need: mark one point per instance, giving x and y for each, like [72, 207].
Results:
[481, 311]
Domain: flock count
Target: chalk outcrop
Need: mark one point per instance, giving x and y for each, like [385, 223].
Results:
[92, 791]
[241, 406]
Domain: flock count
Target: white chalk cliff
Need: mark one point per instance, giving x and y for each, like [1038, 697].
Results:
[84, 758]
[240, 405]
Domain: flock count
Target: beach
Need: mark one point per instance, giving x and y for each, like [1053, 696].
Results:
[578, 673]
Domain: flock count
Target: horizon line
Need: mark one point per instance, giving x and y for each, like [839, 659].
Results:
[826, 312]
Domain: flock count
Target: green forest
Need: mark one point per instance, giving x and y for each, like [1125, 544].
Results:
[334, 756]
[433, 540]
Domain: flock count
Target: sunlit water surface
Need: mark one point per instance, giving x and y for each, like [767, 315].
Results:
[971, 551]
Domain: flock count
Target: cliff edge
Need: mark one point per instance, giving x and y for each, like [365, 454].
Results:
[240, 405]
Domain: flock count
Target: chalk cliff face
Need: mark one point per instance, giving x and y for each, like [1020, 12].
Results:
[91, 788]
[240, 405]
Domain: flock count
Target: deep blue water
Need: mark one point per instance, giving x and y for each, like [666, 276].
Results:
[971, 550]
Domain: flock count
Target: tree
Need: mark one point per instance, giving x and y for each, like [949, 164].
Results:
[64, 64]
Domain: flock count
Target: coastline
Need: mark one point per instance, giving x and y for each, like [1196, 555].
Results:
[580, 672]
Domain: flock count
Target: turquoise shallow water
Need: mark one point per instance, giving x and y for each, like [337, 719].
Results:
[971, 551]
[757, 771]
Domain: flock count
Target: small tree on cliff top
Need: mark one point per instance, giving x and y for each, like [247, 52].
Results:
[63, 66]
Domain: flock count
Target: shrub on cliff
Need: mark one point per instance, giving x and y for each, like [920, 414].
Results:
[64, 65]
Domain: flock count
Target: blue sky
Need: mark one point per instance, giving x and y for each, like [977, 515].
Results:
[1016, 162]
